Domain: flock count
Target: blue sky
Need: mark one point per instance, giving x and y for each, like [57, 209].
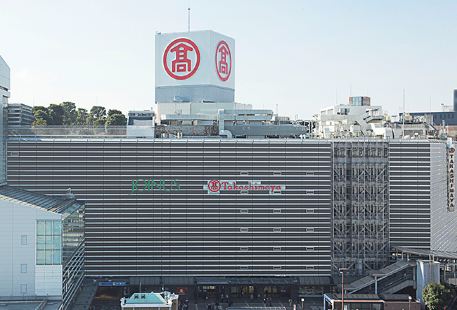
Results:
[299, 55]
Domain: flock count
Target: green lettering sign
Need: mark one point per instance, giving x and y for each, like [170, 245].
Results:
[153, 184]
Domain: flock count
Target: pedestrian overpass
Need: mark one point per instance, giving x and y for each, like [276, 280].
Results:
[402, 273]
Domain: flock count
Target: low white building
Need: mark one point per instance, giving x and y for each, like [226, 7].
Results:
[43, 241]
[355, 119]
[151, 301]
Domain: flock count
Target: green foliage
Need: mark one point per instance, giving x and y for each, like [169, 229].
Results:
[436, 296]
[41, 116]
[55, 114]
[113, 111]
[81, 117]
[97, 116]
[67, 114]
[39, 122]
[118, 119]
[70, 114]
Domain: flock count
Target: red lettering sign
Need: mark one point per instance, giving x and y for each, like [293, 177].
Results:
[223, 61]
[181, 59]
[216, 186]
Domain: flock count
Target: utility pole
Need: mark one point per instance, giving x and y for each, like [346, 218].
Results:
[342, 270]
[404, 112]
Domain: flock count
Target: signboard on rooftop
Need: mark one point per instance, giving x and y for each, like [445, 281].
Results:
[194, 58]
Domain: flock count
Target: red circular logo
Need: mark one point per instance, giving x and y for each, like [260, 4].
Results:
[181, 59]
[223, 61]
[214, 186]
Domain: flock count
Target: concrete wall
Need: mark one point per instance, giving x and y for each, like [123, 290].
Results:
[195, 93]
[19, 220]
[210, 110]
[443, 222]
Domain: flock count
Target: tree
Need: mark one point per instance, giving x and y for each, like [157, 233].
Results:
[81, 116]
[70, 113]
[98, 115]
[436, 296]
[41, 116]
[39, 122]
[55, 114]
[113, 111]
[116, 120]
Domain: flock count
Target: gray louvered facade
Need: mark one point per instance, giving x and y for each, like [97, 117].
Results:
[177, 227]
[150, 211]
[410, 194]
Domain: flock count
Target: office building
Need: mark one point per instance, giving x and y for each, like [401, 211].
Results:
[20, 114]
[4, 95]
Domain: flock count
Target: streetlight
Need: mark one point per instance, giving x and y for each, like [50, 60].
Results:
[302, 301]
[409, 302]
[342, 270]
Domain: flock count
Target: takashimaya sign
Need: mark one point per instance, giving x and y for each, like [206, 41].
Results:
[154, 184]
[216, 187]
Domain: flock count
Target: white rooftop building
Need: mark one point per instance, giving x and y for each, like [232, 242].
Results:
[358, 118]
[195, 92]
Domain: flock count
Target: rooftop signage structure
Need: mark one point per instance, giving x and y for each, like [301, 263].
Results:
[195, 66]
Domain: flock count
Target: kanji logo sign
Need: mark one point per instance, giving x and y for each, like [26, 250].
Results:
[223, 59]
[216, 187]
[181, 59]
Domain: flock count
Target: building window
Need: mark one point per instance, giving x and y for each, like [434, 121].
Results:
[49, 242]
[23, 239]
[23, 288]
[23, 268]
